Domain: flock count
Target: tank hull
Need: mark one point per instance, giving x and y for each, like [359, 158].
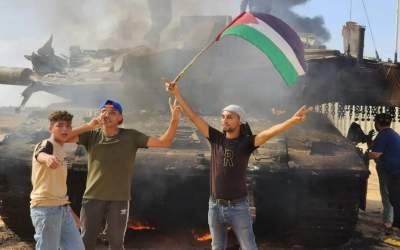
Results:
[306, 187]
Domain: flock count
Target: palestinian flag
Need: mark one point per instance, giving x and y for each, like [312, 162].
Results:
[277, 40]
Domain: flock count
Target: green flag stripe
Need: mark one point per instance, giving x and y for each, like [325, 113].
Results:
[258, 39]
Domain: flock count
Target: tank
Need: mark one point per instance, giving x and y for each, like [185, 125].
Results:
[309, 182]
[305, 187]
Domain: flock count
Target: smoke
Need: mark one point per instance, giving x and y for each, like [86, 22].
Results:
[283, 10]
[98, 24]
[219, 75]
[126, 23]
[90, 23]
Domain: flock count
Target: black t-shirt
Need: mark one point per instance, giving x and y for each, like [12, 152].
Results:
[229, 159]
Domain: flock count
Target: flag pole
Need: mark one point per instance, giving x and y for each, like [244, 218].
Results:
[183, 71]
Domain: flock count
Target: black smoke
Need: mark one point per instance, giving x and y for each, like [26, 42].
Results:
[284, 10]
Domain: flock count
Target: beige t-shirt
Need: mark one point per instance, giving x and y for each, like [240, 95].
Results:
[49, 185]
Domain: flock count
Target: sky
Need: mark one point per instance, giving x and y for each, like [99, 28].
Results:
[382, 17]
[23, 30]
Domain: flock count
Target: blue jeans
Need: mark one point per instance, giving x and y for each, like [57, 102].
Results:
[55, 229]
[237, 216]
[383, 188]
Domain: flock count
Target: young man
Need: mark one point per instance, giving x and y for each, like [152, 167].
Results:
[230, 153]
[56, 226]
[386, 151]
[111, 154]
[357, 135]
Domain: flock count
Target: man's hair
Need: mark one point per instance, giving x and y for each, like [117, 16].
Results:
[383, 119]
[59, 116]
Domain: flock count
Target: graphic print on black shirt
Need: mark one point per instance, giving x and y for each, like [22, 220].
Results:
[229, 160]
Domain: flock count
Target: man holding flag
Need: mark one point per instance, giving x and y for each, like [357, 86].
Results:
[230, 153]
[231, 149]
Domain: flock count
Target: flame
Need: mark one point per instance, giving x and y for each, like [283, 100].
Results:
[138, 225]
[201, 237]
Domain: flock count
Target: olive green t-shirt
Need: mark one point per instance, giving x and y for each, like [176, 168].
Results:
[110, 163]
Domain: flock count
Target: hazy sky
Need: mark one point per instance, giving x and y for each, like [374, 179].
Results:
[26, 24]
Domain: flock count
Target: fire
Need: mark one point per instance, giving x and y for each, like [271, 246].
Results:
[138, 225]
[201, 237]
[142, 227]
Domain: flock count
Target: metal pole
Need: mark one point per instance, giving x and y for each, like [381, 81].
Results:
[351, 7]
[183, 71]
[397, 31]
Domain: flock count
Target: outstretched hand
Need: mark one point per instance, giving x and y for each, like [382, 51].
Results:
[301, 114]
[53, 162]
[174, 108]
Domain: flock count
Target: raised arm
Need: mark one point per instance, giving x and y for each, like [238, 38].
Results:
[201, 125]
[74, 135]
[267, 134]
[166, 139]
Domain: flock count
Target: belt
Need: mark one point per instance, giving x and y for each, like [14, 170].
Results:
[228, 202]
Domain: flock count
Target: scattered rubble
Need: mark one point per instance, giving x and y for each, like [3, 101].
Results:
[10, 241]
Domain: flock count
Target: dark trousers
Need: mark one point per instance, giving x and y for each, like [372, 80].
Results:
[394, 197]
[95, 212]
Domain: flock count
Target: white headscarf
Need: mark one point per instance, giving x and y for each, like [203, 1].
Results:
[238, 110]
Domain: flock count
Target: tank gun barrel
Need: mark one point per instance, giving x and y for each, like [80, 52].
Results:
[15, 76]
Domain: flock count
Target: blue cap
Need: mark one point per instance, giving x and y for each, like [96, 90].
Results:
[115, 105]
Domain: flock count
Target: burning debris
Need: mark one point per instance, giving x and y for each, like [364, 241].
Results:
[138, 225]
[201, 236]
